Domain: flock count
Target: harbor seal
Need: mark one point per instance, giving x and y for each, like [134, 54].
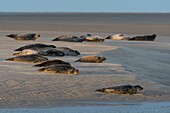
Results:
[35, 46]
[51, 62]
[28, 58]
[118, 37]
[91, 59]
[68, 39]
[123, 89]
[26, 52]
[94, 39]
[30, 36]
[62, 69]
[68, 52]
[143, 38]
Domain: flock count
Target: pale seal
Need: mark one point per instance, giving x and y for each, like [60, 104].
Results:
[94, 39]
[118, 37]
[28, 58]
[91, 59]
[123, 89]
[26, 52]
[62, 69]
[35, 46]
[30, 36]
[143, 38]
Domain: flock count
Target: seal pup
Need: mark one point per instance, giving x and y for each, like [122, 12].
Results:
[68, 39]
[68, 52]
[26, 52]
[94, 39]
[123, 89]
[35, 46]
[118, 37]
[51, 62]
[30, 36]
[143, 38]
[63, 69]
[28, 58]
[91, 59]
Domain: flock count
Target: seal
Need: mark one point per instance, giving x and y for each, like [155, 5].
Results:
[68, 39]
[118, 37]
[51, 62]
[41, 51]
[123, 89]
[26, 52]
[94, 39]
[62, 69]
[68, 52]
[143, 38]
[35, 46]
[28, 58]
[91, 59]
[30, 36]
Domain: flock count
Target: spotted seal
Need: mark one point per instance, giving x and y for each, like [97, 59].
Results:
[51, 62]
[26, 52]
[94, 39]
[143, 38]
[92, 59]
[118, 37]
[123, 89]
[28, 58]
[68, 52]
[30, 36]
[35, 46]
[68, 39]
[62, 69]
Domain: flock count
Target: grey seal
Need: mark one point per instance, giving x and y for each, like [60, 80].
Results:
[30, 36]
[91, 59]
[143, 38]
[94, 39]
[68, 52]
[51, 62]
[35, 46]
[69, 39]
[118, 37]
[28, 58]
[62, 69]
[123, 89]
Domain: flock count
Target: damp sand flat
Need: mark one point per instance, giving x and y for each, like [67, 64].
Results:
[143, 63]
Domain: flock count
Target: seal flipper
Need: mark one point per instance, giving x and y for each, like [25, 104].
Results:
[10, 59]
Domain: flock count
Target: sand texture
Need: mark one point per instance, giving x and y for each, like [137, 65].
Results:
[135, 63]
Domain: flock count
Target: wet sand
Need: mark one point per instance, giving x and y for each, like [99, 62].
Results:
[142, 63]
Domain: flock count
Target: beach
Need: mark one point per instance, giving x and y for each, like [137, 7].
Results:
[144, 63]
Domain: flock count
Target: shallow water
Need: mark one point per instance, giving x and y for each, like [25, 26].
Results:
[161, 107]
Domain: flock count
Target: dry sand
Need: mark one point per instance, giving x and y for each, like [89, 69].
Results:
[142, 63]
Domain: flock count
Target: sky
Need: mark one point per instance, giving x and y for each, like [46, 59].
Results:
[84, 5]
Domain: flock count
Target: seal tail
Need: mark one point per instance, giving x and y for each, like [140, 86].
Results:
[19, 49]
[10, 59]
[16, 54]
[37, 65]
[100, 90]
[77, 60]
[41, 70]
[108, 37]
[56, 39]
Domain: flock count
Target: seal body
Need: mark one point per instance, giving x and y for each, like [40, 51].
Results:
[124, 89]
[52, 62]
[30, 36]
[26, 52]
[62, 69]
[92, 59]
[68, 39]
[28, 58]
[68, 52]
[50, 52]
[35, 46]
[94, 39]
[118, 37]
[143, 38]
